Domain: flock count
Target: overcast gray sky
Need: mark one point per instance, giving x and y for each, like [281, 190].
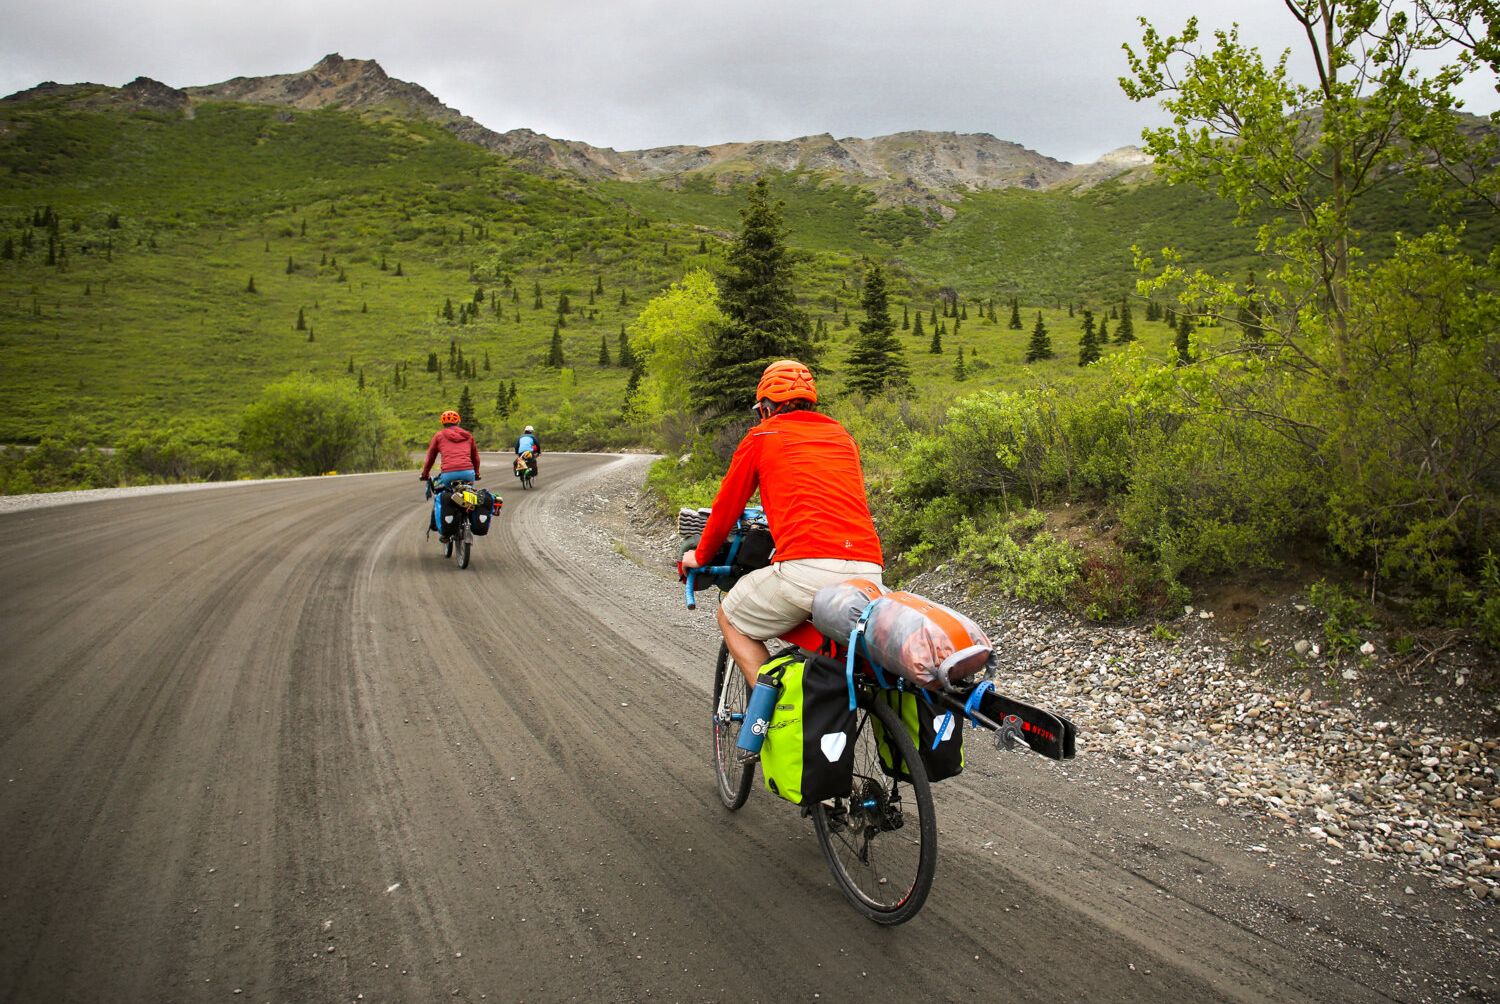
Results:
[640, 73]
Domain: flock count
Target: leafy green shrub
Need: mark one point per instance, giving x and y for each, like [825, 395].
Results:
[1022, 559]
[181, 450]
[305, 426]
[56, 465]
[1344, 616]
[1114, 584]
[1214, 496]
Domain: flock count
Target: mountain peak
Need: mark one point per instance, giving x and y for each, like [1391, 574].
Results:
[335, 66]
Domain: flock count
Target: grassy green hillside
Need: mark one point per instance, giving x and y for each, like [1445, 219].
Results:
[146, 311]
[130, 241]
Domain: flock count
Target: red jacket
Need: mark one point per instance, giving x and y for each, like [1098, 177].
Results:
[458, 450]
[811, 487]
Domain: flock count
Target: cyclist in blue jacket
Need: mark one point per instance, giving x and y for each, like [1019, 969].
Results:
[529, 443]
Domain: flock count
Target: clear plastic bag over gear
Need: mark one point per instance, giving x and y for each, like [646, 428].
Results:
[925, 643]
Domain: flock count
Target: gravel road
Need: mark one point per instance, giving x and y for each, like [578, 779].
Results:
[263, 743]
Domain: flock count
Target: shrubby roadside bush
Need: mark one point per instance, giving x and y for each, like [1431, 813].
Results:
[181, 450]
[305, 426]
[57, 464]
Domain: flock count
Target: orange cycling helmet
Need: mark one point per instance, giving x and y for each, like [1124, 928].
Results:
[450, 418]
[786, 380]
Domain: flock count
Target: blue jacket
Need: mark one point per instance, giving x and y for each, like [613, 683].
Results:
[528, 442]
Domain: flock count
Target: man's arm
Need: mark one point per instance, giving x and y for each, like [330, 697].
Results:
[739, 483]
[432, 451]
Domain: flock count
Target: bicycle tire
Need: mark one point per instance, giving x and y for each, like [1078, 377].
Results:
[463, 554]
[730, 697]
[447, 548]
[850, 828]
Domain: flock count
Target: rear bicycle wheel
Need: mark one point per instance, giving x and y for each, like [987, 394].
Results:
[463, 553]
[448, 548]
[881, 840]
[731, 696]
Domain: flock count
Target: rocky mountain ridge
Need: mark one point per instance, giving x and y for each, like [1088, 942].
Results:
[906, 167]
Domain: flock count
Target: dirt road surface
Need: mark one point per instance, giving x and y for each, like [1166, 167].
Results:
[265, 744]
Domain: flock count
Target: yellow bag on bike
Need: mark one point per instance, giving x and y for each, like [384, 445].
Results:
[938, 736]
[808, 754]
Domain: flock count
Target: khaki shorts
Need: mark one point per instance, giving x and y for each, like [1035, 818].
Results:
[771, 601]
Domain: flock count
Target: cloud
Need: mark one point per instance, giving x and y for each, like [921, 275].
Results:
[640, 73]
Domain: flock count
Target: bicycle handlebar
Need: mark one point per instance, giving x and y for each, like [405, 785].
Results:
[687, 581]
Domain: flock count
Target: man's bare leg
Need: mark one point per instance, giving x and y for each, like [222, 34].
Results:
[747, 653]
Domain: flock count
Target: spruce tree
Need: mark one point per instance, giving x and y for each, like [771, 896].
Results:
[1015, 314]
[762, 321]
[959, 373]
[932, 321]
[398, 269]
[1040, 346]
[603, 351]
[905, 318]
[486, 360]
[1182, 345]
[468, 420]
[936, 345]
[703, 245]
[250, 286]
[290, 265]
[555, 351]
[1088, 345]
[1126, 331]
[351, 365]
[876, 362]
[1103, 338]
[916, 328]
[361, 378]
[502, 402]
[512, 399]
[301, 320]
[627, 354]
[432, 362]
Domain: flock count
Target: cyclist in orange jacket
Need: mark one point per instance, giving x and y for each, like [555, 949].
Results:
[812, 489]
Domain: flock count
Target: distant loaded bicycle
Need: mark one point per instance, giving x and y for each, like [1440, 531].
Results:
[525, 469]
[465, 512]
[867, 737]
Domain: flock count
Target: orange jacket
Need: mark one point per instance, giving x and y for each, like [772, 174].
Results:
[811, 487]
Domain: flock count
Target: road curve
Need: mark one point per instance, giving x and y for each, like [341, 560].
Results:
[264, 744]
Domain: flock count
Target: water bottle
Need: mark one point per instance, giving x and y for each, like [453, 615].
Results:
[758, 715]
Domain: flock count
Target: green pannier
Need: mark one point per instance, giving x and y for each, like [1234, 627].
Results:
[808, 755]
[938, 736]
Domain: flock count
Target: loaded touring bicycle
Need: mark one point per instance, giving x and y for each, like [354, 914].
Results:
[855, 719]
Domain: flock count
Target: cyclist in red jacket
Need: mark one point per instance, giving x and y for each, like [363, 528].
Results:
[812, 489]
[460, 461]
